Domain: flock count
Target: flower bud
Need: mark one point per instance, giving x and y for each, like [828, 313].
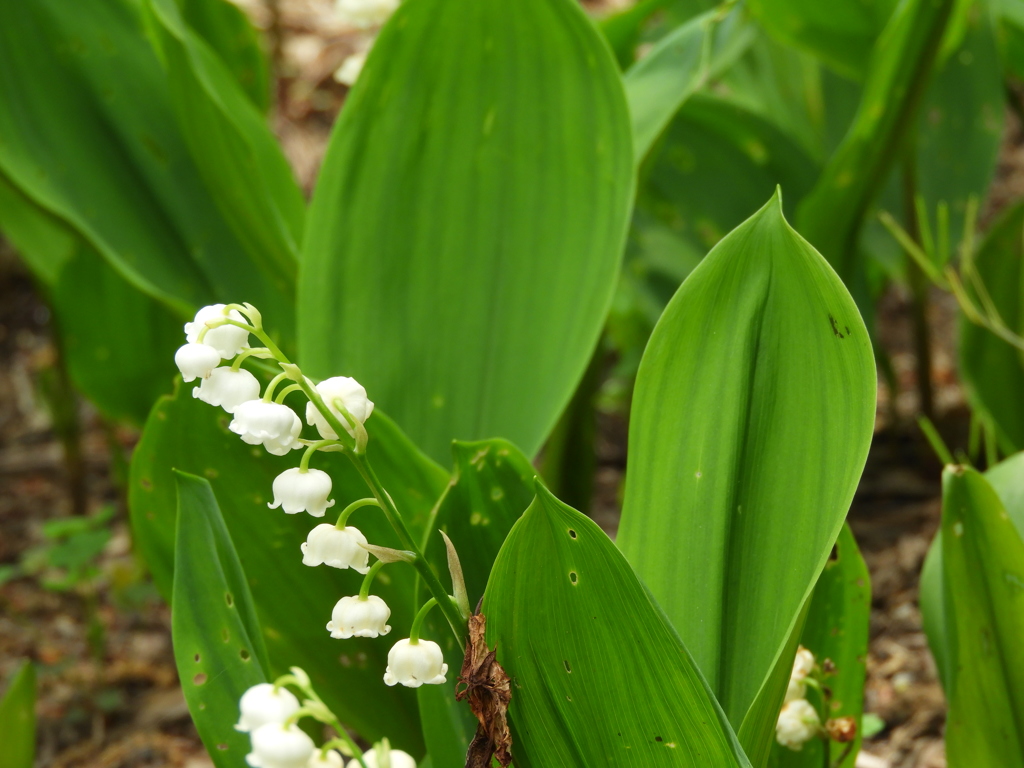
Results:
[196, 361]
[228, 340]
[338, 548]
[276, 746]
[351, 394]
[798, 723]
[274, 426]
[803, 664]
[399, 759]
[297, 491]
[330, 759]
[228, 388]
[415, 664]
[356, 617]
[261, 704]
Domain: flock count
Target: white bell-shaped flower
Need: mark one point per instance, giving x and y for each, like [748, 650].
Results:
[803, 664]
[338, 548]
[329, 759]
[398, 758]
[228, 340]
[275, 745]
[351, 394]
[261, 704]
[228, 388]
[797, 689]
[356, 617]
[272, 425]
[798, 723]
[196, 361]
[366, 13]
[415, 664]
[297, 491]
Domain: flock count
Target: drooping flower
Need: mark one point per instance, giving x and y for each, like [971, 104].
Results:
[275, 745]
[273, 425]
[356, 617]
[228, 388]
[338, 548]
[798, 723]
[196, 361]
[228, 340]
[415, 664]
[329, 759]
[797, 689]
[366, 13]
[261, 705]
[399, 759]
[351, 394]
[297, 491]
[803, 664]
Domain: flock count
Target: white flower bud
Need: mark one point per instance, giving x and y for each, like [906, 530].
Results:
[351, 394]
[803, 664]
[277, 746]
[299, 491]
[228, 388]
[366, 13]
[417, 664]
[328, 545]
[228, 340]
[274, 426]
[355, 617]
[798, 723]
[797, 689]
[351, 68]
[261, 704]
[399, 759]
[331, 759]
[196, 361]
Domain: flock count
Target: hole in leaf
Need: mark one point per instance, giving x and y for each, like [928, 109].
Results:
[222, 747]
[657, 738]
[572, 576]
[199, 679]
[572, 533]
[244, 654]
[565, 663]
[197, 658]
[230, 600]
[202, 705]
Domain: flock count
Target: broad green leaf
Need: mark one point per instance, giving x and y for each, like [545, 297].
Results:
[599, 677]
[983, 597]
[475, 255]
[841, 33]
[1009, 20]
[228, 31]
[760, 361]
[992, 370]
[18, 719]
[218, 644]
[87, 132]
[831, 217]
[43, 242]
[837, 629]
[658, 84]
[294, 601]
[491, 486]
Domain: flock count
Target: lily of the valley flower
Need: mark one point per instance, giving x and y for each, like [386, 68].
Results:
[302, 491]
[228, 340]
[358, 617]
[261, 705]
[351, 394]
[366, 13]
[275, 745]
[329, 759]
[273, 425]
[399, 759]
[415, 663]
[196, 361]
[228, 388]
[798, 723]
[338, 548]
[803, 665]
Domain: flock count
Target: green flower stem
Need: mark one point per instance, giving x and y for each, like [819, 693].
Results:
[285, 392]
[313, 448]
[347, 511]
[261, 352]
[364, 590]
[269, 394]
[417, 623]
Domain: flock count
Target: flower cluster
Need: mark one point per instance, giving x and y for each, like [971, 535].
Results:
[798, 721]
[337, 409]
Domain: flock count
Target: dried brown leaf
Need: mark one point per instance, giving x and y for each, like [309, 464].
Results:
[485, 684]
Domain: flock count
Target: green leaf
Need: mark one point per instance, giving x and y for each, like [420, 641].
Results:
[294, 601]
[477, 254]
[218, 644]
[841, 33]
[992, 370]
[983, 597]
[658, 84]
[903, 58]
[837, 629]
[760, 361]
[228, 31]
[599, 677]
[18, 719]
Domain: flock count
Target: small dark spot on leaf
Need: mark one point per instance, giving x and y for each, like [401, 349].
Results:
[146, 484]
[244, 654]
[230, 600]
[834, 554]
[572, 533]
[197, 658]
[835, 327]
[657, 738]
[847, 329]
[572, 576]
[567, 667]
[199, 679]
[222, 747]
